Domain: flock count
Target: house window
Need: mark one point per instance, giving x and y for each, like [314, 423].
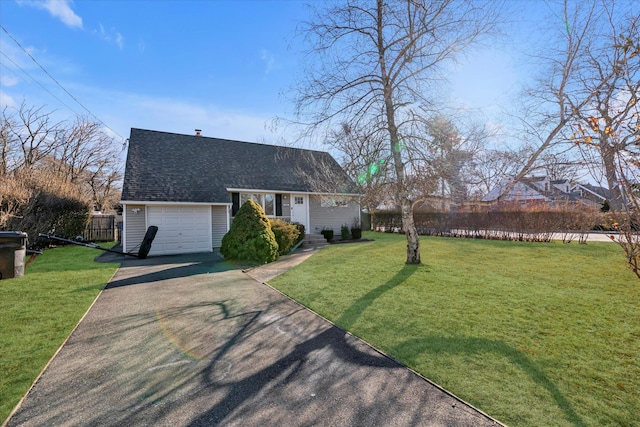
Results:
[298, 200]
[267, 201]
[269, 204]
[332, 202]
[244, 197]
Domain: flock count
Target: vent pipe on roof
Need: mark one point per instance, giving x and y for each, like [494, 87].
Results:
[198, 132]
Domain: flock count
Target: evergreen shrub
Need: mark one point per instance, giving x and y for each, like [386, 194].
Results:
[356, 233]
[250, 237]
[344, 232]
[327, 233]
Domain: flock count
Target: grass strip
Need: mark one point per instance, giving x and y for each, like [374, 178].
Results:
[39, 310]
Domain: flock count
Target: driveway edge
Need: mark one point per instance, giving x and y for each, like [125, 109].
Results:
[489, 417]
[42, 371]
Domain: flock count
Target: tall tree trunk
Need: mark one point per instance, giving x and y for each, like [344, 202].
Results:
[608, 159]
[409, 227]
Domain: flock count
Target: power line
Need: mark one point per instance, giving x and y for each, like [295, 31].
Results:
[56, 81]
[36, 81]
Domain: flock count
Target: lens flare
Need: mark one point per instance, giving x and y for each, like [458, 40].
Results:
[172, 338]
[400, 146]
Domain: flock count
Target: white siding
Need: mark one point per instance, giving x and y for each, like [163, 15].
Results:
[219, 223]
[134, 226]
[333, 217]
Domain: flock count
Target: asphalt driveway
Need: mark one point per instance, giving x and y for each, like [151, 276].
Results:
[191, 341]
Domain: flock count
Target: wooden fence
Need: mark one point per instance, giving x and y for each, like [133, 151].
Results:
[101, 228]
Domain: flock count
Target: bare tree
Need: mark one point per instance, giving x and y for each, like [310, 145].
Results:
[611, 124]
[28, 137]
[86, 156]
[75, 161]
[560, 165]
[7, 141]
[490, 167]
[589, 99]
[377, 66]
[366, 161]
[572, 82]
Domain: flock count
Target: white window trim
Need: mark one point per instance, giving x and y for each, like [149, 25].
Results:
[334, 202]
[262, 201]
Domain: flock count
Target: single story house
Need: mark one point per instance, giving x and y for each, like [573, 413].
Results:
[191, 186]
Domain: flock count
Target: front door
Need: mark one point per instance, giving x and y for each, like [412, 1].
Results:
[299, 210]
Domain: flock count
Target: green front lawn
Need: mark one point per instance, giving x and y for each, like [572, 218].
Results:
[39, 310]
[531, 333]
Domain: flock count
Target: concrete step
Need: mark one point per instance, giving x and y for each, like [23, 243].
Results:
[313, 238]
[314, 241]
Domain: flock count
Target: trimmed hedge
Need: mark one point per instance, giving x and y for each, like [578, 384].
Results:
[512, 224]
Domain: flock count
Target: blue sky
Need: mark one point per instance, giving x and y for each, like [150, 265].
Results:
[174, 66]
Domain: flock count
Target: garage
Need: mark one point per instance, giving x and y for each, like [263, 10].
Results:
[181, 229]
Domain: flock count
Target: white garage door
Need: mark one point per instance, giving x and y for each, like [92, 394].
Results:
[181, 229]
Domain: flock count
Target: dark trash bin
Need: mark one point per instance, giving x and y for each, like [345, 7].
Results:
[13, 246]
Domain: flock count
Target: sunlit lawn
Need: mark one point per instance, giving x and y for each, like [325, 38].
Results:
[534, 334]
[39, 310]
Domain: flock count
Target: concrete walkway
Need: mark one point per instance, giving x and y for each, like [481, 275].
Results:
[191, 341]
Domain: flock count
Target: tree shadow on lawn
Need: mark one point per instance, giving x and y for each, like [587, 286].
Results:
[463, 345]
[352, 314]
[458, 345]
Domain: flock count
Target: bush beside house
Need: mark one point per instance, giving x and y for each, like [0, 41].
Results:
[301, 232]
[344, 232]
[286, 235]
[250, 237]
[327, 233]
[356, 232]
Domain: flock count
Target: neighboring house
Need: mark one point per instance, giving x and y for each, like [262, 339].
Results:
[191, 186]
[592, 192]
[542, 190]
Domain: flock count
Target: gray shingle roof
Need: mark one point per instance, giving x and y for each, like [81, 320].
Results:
[602, 192]
[172, 167]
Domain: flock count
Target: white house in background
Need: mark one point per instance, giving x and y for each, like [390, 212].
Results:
[191, 186]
